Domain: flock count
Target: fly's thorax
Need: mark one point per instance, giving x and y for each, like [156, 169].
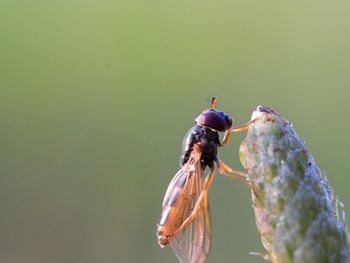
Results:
[208, 140]
[192, 137]
[209, 146]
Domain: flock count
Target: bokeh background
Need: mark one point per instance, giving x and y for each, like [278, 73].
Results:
[96, 97]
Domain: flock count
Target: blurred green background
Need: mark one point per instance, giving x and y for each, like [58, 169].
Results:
[96, 97]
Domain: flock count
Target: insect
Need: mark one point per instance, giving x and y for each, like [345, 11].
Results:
[185, 217]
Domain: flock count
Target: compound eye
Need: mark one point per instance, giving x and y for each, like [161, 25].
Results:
[213, 120]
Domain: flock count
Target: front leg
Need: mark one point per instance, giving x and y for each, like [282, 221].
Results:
[243, 127]
[226, 138]
[240, 128]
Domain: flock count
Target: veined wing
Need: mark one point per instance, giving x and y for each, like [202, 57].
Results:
[177, 184]
[176, 203]
[192, 245]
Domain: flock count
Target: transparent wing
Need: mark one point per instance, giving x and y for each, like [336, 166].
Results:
[177, 182]
[177, 200]
[192, 245]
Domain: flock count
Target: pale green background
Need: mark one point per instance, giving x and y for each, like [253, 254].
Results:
[96, 97]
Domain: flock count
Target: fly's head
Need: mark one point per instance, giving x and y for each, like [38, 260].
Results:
[214, 119]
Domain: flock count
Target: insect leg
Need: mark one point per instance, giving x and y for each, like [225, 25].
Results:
[263, 256]
[233, 174]
[200, 202]
[222, 167]
[242, 127]
[226, 138]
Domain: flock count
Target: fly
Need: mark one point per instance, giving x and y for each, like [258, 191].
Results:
[185, 218]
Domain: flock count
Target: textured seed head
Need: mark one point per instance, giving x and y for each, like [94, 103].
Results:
[297, 215]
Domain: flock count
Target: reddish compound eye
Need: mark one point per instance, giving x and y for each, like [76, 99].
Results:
[216, 120]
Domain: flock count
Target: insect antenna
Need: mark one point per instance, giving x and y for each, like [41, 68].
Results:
[213, 102]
